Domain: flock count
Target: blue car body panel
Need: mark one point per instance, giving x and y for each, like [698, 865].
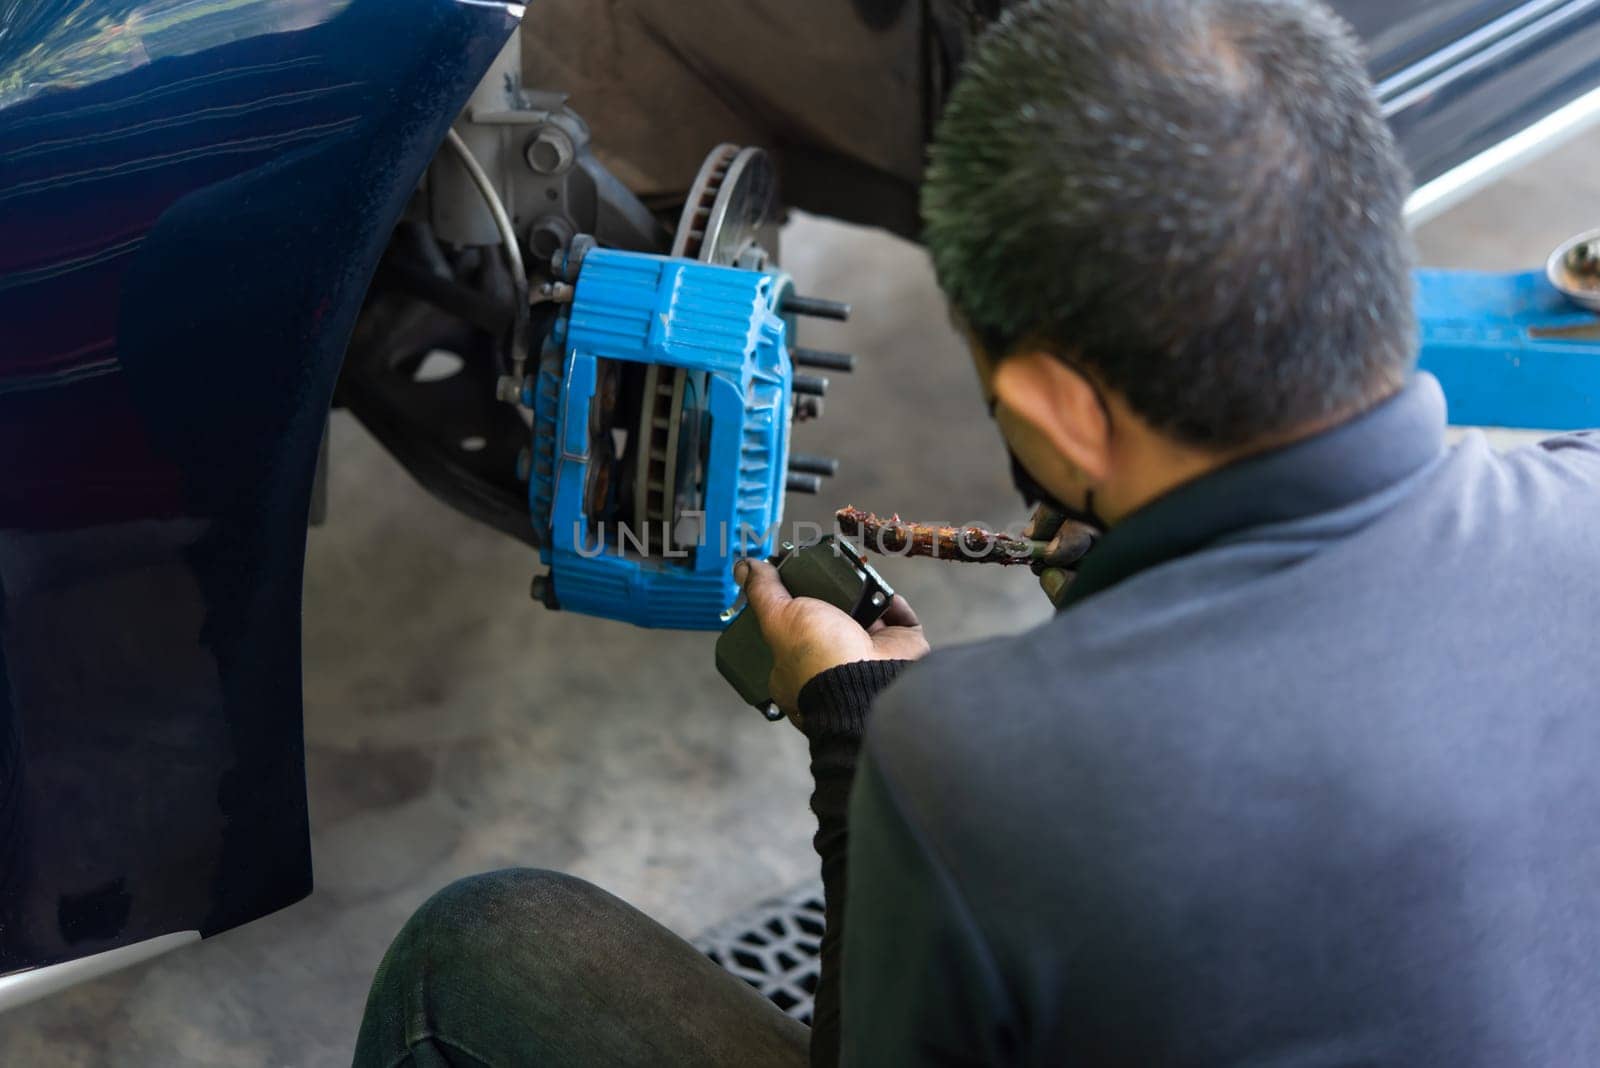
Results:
[193, 197]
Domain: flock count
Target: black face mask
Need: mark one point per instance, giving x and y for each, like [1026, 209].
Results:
[1034, 494]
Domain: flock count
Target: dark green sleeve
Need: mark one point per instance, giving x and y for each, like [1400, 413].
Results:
[833, 715]
[920, 984]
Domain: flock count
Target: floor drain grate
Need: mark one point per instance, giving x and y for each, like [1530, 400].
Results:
[774, 947]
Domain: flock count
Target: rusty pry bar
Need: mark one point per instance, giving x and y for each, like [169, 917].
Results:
[968, 544]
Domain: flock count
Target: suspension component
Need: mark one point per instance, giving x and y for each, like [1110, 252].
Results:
[813, 465]
[811, 385]
[796, 483]
[816, 307]
[828, 361]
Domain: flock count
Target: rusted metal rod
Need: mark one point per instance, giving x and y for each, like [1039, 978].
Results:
[966, 544]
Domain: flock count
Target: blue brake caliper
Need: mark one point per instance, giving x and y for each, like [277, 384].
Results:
[717, 447]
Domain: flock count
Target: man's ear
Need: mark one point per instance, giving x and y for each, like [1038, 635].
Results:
[1060, 405]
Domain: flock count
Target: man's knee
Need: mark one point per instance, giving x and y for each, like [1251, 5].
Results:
[469, 959]
[509, 889]
[472, 917]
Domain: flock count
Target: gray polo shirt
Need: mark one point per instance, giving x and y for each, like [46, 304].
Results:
[1307, 773]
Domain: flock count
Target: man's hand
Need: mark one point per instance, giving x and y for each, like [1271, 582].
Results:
[1069, 541]
[808, 636]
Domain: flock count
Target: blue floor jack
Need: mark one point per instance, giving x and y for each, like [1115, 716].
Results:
[1517, 350]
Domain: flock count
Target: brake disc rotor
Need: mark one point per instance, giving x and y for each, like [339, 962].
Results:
[741, 210]
[729, 208]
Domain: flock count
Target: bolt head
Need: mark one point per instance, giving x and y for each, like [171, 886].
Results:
[549, 235]
[550, 151]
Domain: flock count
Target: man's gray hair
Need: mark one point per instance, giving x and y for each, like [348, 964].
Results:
[1195, 200]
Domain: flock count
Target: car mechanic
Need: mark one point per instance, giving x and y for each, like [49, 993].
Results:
[1301, 771]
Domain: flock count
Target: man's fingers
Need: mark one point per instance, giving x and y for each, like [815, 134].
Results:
[762, 588]
[1069, 544]
[1044, 523]
[1054, 581]
[899, 614]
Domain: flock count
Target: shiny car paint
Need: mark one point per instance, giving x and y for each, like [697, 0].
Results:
[193, 197]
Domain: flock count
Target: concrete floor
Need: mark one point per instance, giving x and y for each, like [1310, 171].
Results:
[454, 727]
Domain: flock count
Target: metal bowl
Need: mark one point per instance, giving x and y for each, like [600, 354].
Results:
[1574, 269]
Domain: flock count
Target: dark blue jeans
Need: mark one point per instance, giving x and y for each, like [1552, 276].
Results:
[534, 967]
